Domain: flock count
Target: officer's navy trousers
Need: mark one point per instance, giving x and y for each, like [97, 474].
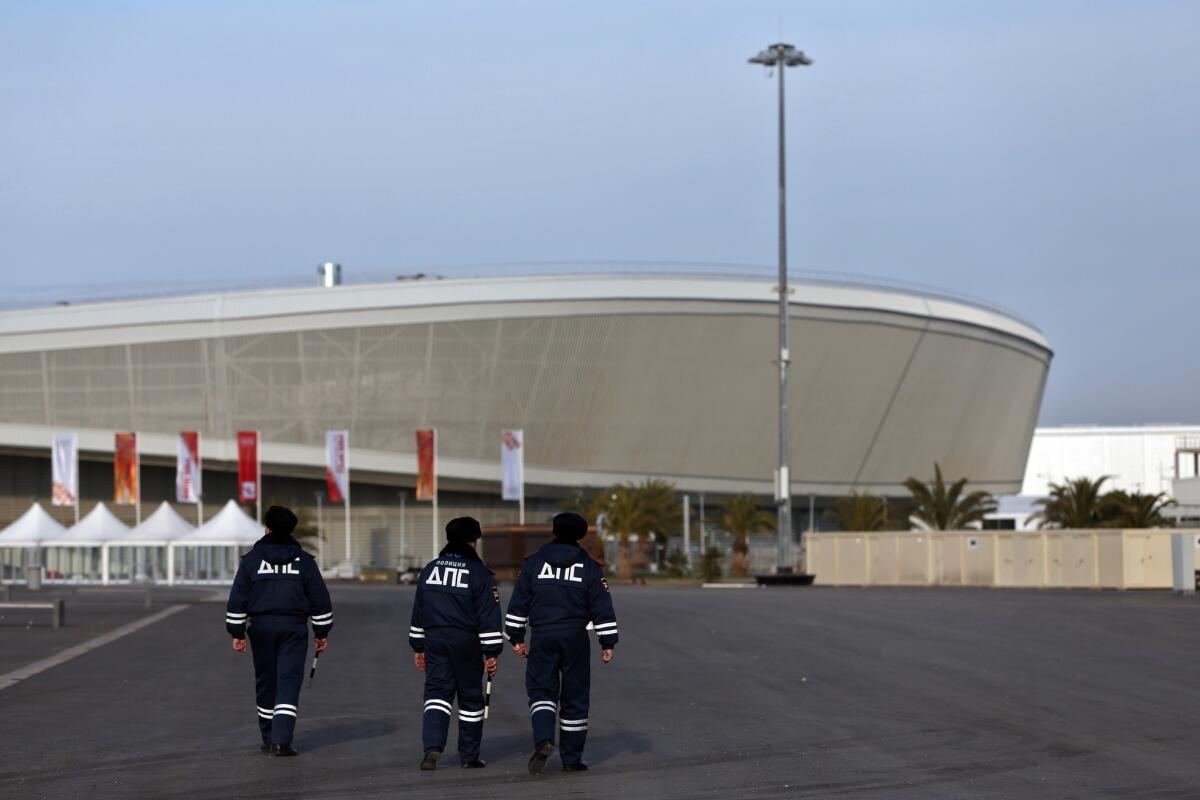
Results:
[453, 668]
[558, 680]
[279, 645]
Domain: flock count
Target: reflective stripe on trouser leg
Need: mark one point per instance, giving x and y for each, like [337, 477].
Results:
[262, 650]
[470, 733]
[291, 650]
[541, 683]
[467, 659]
[439, 695]
[576, 688]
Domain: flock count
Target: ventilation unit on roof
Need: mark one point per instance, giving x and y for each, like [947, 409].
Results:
[331, 274]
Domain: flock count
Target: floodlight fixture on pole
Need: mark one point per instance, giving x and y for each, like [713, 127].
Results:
[780, 56]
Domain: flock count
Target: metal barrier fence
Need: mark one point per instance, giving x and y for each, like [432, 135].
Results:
[1096, 559]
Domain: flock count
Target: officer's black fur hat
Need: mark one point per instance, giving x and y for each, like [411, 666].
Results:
[280, 520]
[569, 527]
[463, 530]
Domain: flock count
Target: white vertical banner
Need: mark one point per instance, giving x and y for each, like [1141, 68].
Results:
[512, 464]
[337, 473]
[64, 457]
[187, 468]
[512, 468]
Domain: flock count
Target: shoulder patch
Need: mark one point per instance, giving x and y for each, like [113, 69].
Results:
[496, 594]
[604, 583]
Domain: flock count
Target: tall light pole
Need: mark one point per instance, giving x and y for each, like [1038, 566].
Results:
[780, 57]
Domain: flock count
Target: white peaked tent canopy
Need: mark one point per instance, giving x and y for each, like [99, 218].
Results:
[79, 555]
[97, 527]
[164, 525]
[144, 552]
[31, 529]
[230, 526]
[18, 542]
[209, 554]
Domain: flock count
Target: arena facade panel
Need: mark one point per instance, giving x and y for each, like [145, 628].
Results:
[613, 377]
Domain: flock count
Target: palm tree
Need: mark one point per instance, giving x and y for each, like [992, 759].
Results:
[944, 508]
[741, 517]
[649, 509]
[623, 514]
[661, 516]
[860, 512]
[1074, 504]
[1135, 509]
[589, 505]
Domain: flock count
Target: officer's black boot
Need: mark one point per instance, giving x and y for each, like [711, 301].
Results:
[283, 750]
[431, 758]
[578, 766]
[474, 763]
[537, 762]
[265, 747]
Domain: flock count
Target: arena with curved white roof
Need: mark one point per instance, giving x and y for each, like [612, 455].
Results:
[612, 376]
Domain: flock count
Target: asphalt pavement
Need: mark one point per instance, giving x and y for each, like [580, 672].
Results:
[750, 693]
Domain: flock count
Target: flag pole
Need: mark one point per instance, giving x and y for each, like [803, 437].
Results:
[435, 537]
[258, 474]
[346, 456]
[200, 483]
[78, 480]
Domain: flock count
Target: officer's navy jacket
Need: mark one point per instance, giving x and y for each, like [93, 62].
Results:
[561, 584]
[457, 590]
[279, 579]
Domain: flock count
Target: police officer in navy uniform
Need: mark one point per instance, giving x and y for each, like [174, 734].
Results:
[455, 634]
[278, 590]
[560, 591]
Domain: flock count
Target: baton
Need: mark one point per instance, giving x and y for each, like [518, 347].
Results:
[487, 696]
[313, 670]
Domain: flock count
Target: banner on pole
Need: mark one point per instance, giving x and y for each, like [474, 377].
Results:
[187, 468]
[512, 465]
[426, 464]
[337, 467]
[125, 470]
[64, 457]
[247, 461]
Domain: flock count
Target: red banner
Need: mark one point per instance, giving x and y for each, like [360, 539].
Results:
[187, 468]
[247, 457]
[125, 469]
[426, 464]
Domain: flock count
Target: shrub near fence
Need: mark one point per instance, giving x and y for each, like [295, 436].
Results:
[1098, 559]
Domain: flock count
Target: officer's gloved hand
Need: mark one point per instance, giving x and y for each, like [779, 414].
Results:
[239, 645]
[320, 645]
[491, 666]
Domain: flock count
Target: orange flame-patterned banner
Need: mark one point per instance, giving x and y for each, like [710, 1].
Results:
[426, 464]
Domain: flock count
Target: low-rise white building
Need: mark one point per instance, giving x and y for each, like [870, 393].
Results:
[1136, 458]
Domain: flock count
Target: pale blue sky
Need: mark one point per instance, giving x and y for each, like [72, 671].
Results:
[1042, 155]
